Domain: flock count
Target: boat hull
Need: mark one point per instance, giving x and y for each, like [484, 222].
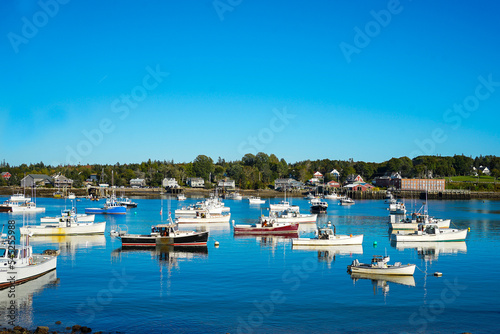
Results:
[248, 229]
[75, 229]
[403, 270]
[333, 241]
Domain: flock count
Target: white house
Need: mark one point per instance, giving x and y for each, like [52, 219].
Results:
[335, 173]
[195, 182]
[170, 183]
[227, 184]
[287, 184]
[485, 170]
[139, 183]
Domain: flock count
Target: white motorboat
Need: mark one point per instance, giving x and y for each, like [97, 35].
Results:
[126, 202]
[71, 195]
[328, 237]
[203, 217]
[380, 266]
[430, 232]
[346, 201]
[255, 200]
[20, 264]
[310, 196]
[210, 205]
[81, 217]
[317, 205]
[333, 196]
[236, 196]
[181, 197]
[68, 225]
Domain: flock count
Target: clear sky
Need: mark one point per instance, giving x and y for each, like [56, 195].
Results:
[126, 81]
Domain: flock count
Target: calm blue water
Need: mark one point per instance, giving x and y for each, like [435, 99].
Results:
[262, 285]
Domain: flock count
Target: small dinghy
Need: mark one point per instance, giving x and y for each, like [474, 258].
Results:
[380, 266]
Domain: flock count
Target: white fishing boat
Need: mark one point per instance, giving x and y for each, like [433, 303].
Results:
[430, 232]
[266, 227]
[211, 205]
[203, 217]
[19, 198]
[126, 202]
[329, 237]
[333, 196]
[397, 208]
[310, 196]
[346, 201]
[20, 264]
[380, 266]
[281, 206]
[181, 197]
[411, 223]
[68, 225]
[20, 207]
[71, 195]
[81, 217]
[290, 215]
[255, 200]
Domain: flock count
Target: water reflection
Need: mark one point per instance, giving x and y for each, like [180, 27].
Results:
[328, 254]
[430, 251]
[381, 281]
[22, 298]
[169, 256]
[70, 244]
[205, 227]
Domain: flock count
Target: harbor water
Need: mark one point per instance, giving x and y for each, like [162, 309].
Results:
[251, 284]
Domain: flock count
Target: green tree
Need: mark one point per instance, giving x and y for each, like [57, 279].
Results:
[203, 166]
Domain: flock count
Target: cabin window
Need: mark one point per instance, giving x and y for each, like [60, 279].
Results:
[2, 252]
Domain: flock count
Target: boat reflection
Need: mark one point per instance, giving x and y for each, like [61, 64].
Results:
[381, 281]
[430, 251]
[70, 244]
[328, 254]
[169, 256]
[22, 298]
[205, 227]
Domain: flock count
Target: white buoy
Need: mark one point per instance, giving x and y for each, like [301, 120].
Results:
[216, 244]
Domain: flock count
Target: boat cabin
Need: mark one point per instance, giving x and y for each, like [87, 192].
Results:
[163, 230]
[428, 229]
[20, 254]
[325, 233]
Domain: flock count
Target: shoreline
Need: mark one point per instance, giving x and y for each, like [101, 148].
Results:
[264, 193]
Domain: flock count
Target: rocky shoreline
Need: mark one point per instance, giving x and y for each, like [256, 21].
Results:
[46, 330]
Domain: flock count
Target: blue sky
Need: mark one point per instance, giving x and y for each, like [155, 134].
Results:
[125, 81]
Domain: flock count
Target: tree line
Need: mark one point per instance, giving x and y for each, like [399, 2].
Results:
[256, 171]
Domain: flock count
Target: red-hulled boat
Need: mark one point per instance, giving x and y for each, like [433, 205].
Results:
[266, 227]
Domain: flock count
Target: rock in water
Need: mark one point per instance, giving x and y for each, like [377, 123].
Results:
[42, 330]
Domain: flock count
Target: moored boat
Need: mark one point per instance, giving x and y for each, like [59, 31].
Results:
[380, 266]
[164, 235]
[68, 225]
[255, 200]
[81, 217]
[430, 232]
[20, 264]
[318, 206]
[111, 207]
[346, 201]
[126, 202]
[328, 237]
[266, 227]
[203, 217]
